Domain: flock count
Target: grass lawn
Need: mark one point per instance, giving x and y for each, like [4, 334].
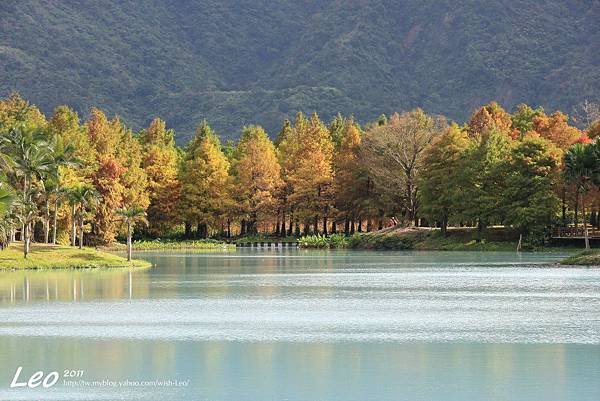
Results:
[44, 256]
[585, 258]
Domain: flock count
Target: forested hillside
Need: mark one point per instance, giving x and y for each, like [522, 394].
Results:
[237, 62]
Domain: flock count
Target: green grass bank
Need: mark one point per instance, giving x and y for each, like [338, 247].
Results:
[173, 245]
[44, 256]
[586, 258]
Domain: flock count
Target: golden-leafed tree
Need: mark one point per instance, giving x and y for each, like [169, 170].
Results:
[257, 178]
[134, 178]
[351, 181]
[309, 171]
[160, 162]
[14, 110]
[205, 182]
[556, 129]
[487, 118]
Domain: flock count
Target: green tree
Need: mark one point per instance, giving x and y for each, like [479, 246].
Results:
[581, 166]
[481, 197]
[26, 153]
[83, 199]
[522, 118]
[441, 180]
[529, 175]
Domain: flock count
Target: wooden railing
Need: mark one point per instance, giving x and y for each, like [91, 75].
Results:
[572, 232]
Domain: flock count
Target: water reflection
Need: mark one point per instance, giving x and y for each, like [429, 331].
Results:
[72, 285]
[331, 371]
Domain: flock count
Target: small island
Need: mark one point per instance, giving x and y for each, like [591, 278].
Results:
[589, 257]
[47, 256]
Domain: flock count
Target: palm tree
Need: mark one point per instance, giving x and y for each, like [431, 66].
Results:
[63, 155]
[130, 217]
[26, 157]
[581, 167]
[7, 198]
[82, 198]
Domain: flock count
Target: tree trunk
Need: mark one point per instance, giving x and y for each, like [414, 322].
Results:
[129, 244]
[25, 240]
[479, 230]
[360, 225]
[188, 230]
[54, 218]
[325, 225]
[564, 207]
[352, 228]
[346, 226]
[585, 229]
[47, 224]
[228, 228]
[277, 225]
[334, 227]
[316, 224]
[73, 225]
[444, 226]
[81, 234]
[576, 209]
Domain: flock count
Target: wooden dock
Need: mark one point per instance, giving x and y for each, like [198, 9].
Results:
[267, 245]
[575, 233]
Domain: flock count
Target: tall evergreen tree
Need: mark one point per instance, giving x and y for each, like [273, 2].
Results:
[205, 181]
[160, 162]
[257, 177]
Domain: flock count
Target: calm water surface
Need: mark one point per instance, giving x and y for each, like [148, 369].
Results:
[307, 325]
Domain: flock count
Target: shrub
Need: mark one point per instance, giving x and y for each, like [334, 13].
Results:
[338, 241]
[313, 241]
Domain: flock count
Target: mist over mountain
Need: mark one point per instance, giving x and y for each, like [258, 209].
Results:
[237, 62]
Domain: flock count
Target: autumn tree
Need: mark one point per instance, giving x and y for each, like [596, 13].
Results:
[393, 154]
[134, 179]
[286, 147]
[556, 129]
[490, 117]
[257, 177]
[160, 162]
[105, 138]
[15, 110]
[441, 177]
[309, 171]
[205, 181]
[351, 183]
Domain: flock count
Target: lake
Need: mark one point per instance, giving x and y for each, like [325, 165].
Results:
[307, 325]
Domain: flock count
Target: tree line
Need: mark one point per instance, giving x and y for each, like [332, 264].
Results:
[87, 182]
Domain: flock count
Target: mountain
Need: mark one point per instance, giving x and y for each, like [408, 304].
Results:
[237, 62]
